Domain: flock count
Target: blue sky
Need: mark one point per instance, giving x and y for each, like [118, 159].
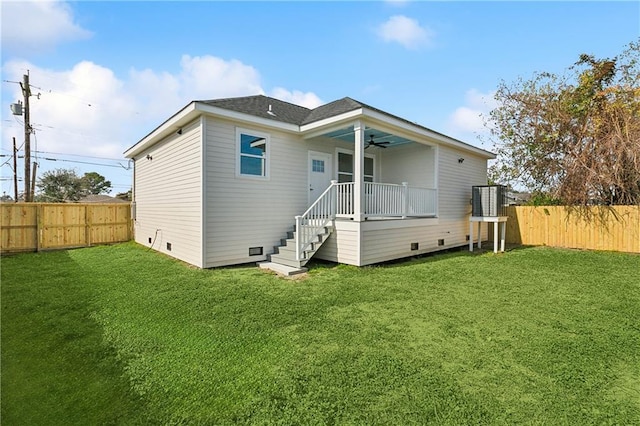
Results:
[110, 72]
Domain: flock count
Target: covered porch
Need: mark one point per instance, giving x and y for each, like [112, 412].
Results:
[359, 191]
[378, 173]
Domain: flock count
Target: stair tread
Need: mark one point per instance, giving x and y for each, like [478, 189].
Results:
[286, 252]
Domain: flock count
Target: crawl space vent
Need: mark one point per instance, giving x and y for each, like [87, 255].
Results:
[255, 251]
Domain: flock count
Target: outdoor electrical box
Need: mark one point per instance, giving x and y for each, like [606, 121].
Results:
[16, 109]
[489, 201]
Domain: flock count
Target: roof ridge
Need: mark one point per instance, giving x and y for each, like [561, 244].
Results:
[252, 96]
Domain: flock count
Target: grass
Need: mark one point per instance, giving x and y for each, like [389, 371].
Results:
[121, 335]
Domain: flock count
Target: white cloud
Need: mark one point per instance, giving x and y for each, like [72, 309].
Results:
[89, 110]
[85, 110]
[470, 118]
[308, 99]
[38, 25]
[406, 31]
[209, 77]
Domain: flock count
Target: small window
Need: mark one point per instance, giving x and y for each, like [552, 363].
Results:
[253, 150]
[317, 166]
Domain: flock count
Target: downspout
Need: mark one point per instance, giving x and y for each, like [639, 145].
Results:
[133, 199]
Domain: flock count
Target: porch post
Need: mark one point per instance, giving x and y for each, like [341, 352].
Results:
[358, 172]
[405, 199]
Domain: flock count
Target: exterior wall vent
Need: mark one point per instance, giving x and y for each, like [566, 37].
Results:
[168, 246]
[441, 242]
[255, 251]
[415, 246]
[489, 200]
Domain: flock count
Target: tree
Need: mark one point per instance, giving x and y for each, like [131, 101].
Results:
[94, 184]
[127, 196]
[59, 186]
[64, 185]
[573, 138]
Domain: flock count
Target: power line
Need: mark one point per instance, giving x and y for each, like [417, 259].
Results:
[66, 154]
[81, 162]
[64, 160]
[80, 155]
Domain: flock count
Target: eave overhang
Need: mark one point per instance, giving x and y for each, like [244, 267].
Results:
[192, 111]
[370, 117]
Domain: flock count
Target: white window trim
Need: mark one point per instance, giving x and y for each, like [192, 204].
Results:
[352, 153]
[267, 138]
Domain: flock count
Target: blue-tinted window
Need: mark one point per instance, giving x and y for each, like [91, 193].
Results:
[253, 155]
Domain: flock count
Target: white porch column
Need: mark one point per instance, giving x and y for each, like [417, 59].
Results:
[358, 172]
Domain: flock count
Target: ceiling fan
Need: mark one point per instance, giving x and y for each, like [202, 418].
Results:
[371, 142]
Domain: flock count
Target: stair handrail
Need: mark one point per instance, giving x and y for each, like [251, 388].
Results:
[317, 216]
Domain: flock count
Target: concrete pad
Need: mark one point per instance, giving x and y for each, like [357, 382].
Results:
[285, 270]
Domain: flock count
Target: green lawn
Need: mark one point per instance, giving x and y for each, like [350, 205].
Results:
[123, 335]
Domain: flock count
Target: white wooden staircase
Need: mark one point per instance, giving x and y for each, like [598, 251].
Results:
[311, 230]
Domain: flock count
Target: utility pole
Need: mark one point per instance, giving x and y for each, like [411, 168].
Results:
[26, 92]
[33, 182]
[15, 170]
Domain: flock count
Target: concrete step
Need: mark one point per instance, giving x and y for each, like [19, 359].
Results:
[285, 254]
[280, 269]
[284, 260]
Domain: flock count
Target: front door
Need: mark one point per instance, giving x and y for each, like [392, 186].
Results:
[319, 174]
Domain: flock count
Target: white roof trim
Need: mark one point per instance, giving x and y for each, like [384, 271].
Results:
[171, 125]
[247, 118]
[392, 124]
[317, 128]
[193, 110]
[320, 126]
[424, 132]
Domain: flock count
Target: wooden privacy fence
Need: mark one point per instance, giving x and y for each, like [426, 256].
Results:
[615, 228]
[48, 226]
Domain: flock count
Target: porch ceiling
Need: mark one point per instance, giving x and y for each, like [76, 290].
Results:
[347, 135]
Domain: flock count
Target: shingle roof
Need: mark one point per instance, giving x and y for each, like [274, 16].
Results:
[332, 109]
[260, 106]
[274, 109]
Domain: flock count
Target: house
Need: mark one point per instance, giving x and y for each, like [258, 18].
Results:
[228, 181]
[101, 198]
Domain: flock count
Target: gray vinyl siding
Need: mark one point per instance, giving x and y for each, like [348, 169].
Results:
[381, 244]
[413, 163]
[343, 246]
[244, 212]
[168, 193]
[454, 182]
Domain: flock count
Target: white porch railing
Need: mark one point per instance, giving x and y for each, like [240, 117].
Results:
[317, 216]
[388, 200]
[380, 200]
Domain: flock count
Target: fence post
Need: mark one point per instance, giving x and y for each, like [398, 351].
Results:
[39, 226]
[405, 199]
[87, 227]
